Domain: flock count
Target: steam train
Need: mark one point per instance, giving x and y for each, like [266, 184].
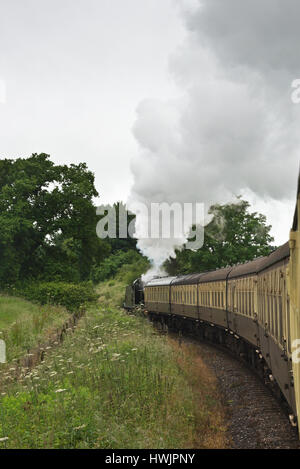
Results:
[251, 309]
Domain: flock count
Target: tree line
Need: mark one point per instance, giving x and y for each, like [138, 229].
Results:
[48, 229]
[48, 222]
[234, 235]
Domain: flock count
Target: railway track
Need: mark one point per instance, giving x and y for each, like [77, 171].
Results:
[256, 420]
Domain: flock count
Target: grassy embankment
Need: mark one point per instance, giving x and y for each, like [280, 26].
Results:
[23, 324]
[113, 383]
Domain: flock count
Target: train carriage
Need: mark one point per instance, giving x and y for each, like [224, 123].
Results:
[248, 300]
[184, 295]
[274, 320]
[242, 302]
[212, 297]
[293, 277]
[157, 295]
[255, 304]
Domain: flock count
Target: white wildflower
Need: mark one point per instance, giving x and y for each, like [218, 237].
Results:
[80, 427]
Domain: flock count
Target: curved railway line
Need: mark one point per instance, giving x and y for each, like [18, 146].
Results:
[256, 418]
[250, 309]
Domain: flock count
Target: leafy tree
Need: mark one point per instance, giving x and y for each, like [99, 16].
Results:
[47, 220]
[119, 243]
[128, 264]
[234, 235]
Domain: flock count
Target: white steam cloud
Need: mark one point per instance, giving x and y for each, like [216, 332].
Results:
[233, 129]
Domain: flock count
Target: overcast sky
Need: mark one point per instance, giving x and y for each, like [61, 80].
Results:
[75, 72]
[166, 100]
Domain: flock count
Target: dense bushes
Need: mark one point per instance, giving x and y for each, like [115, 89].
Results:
[71, 296]
[124, 265]
[128, 265]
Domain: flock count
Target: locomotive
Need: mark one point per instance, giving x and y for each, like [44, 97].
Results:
[252, 309]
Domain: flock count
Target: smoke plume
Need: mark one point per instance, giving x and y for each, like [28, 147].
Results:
[233, 128]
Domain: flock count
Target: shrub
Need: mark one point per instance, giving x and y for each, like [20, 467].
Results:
[128, 264]
[71, 296]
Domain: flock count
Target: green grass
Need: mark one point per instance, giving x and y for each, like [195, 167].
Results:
[110, 385]
[23, 324]
[113, 383]
[111, 293]
[11, 309]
